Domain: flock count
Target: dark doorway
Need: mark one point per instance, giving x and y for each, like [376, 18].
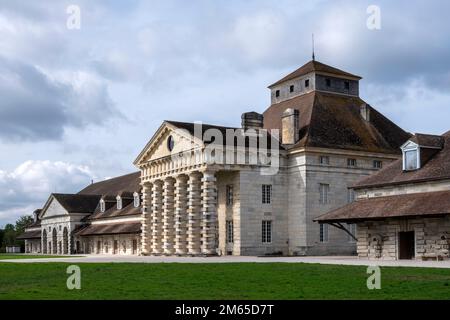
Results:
[406, 245]
[134, 246]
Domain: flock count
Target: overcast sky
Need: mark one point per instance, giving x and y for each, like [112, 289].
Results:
[80, 104]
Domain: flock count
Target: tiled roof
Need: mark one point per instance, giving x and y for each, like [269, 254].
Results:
[78, 203]
[428, 140]
[399, 206]
[188, 126]
[111, 210]
[315, 66]
[114, 186]
[436, 168]
[112, 228]
[35, 234]
[334, 121]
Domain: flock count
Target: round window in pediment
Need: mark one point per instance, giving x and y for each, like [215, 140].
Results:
[170, 143]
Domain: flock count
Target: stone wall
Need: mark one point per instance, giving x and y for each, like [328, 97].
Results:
[253, 212]
[380, 239]
[33, 246]
[430, 186]
[105, 244]
[306, 173]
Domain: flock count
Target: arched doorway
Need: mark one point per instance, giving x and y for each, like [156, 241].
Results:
[44, 242]
[65, 241]
[54, 241]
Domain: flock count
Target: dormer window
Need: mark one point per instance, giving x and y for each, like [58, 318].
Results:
[119, 203]
[277, 93]
[136, 200]
[411, 160]
[102, 205]
[306, 83]
[411, 156]
[291, 89]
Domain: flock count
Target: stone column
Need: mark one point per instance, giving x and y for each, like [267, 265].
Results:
[157, 207]
[194, 213]
[181, 207]
[168, 216]
[209, 211]
[146, 219]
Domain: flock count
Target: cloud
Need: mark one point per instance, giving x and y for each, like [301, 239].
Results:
[28, 186]
[37, 105]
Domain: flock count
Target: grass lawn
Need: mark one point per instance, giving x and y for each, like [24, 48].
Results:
[8, 256]
[219, 281]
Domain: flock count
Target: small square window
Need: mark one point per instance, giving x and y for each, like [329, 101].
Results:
[377, 164]
[306, 83]
[351, 162]
[277, 93]
[347, 85]
[324, 160]
[328, 82]
[291, 89]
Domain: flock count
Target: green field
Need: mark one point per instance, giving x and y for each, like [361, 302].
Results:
[219, 281]
[7, 256]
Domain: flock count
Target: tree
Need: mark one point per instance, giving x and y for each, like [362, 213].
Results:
[2, 233]
[9, 237]
[22, 223]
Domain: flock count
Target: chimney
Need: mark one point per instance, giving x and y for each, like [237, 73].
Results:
[365, 112]
[290, 126]
[252, 120]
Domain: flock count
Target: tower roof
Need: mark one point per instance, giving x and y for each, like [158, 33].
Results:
[334, 121]
[316, 66]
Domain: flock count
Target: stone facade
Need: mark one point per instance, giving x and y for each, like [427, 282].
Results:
[380, 240]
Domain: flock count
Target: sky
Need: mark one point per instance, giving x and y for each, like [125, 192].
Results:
[79, 104]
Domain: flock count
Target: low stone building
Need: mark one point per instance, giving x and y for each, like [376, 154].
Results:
[403, 211]
[103, 218]
[248, 190]
[32, 235]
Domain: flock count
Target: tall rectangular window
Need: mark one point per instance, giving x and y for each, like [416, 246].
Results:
[324, 190]
[229, 195]
[352, 229]
[277, 93]
[411, 160]
[291, 89]
[230, 231]
[266, 193]
[323, 233]
[306, 83]
[266, 231]
[350, 195]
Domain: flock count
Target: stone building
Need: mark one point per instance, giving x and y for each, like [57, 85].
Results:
[103, 218]
[255, 189]
[403, 211]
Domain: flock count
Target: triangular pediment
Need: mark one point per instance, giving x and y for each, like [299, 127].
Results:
[52, 209]
[409, 145]
[158, 146]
